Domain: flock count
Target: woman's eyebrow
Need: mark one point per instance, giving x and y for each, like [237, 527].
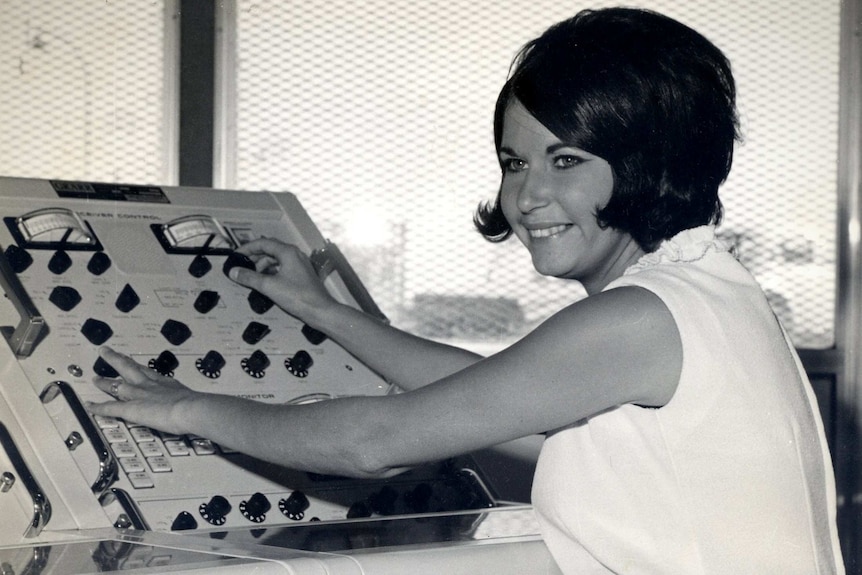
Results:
[559, 146]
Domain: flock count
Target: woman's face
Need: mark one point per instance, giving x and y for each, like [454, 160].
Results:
[550, 193]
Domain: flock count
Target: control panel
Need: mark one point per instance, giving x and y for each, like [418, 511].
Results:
[144, 270]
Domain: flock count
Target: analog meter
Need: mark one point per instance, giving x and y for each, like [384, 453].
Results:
[52, 228]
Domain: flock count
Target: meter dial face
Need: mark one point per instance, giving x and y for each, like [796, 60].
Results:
[52, 228]
[194, 234]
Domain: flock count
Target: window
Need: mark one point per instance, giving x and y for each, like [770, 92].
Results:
[83, 91]
[378, 116]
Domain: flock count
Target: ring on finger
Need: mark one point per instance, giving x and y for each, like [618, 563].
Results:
[115, 389]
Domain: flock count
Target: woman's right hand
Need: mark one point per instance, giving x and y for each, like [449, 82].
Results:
[285, 275]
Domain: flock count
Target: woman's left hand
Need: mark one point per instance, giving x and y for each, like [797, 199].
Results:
[143, 395]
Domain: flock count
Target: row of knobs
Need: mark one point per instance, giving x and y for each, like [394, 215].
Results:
[254, 509]
[20, 259]
[211, 364]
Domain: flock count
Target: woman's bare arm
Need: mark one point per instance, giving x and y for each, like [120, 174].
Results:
[616, 347]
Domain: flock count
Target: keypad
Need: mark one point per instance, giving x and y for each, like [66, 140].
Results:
[143, 452]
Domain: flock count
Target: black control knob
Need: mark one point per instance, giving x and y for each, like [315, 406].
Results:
[211, 364]
[419, 498]
[127, 300]
[294, 506]
[259, 303]
[200, 266]
[255, 508]
[99, 263]
[97, 332]
[215, 511]
[165, 364]
[206, 301]
[65, 297]
[19, 259]
[255, 365]
[313, 336]
[103, 368]
[254, 332]
[299, 364]
[237, 259]
[383, 502]
[359, 509]
[183, 522]
[59, 262]
[176, 332]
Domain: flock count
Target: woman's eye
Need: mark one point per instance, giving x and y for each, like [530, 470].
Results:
[566, 161]
[514, 165]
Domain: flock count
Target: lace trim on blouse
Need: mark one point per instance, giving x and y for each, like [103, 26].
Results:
[687, 246]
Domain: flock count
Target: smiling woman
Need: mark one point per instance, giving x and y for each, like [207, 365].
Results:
[682, 433]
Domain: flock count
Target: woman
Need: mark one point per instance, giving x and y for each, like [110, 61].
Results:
[682, 434]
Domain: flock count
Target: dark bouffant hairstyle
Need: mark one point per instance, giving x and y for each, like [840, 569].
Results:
[649, 95]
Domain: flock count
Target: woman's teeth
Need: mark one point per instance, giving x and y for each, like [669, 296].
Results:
[547, 232]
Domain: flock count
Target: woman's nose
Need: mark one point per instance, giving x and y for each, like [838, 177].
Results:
[533, 193]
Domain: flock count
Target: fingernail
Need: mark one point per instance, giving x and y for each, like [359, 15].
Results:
[233, 273]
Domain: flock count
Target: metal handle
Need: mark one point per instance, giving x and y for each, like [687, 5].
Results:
[328, 259]
[107, 463]
[132, 512]
[26, 334]
[41, 505]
